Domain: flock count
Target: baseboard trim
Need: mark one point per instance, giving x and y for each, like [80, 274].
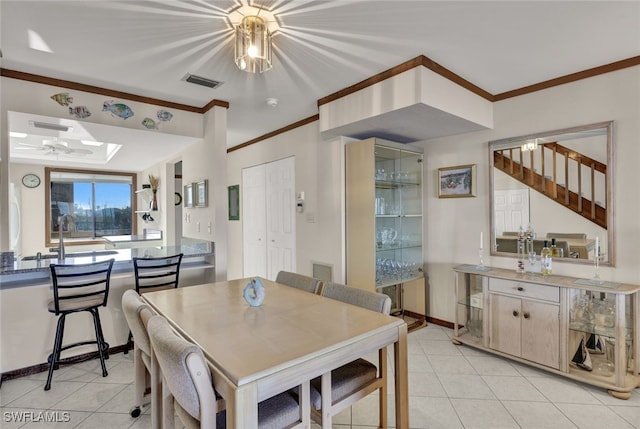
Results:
[41, 367]
[440, 322]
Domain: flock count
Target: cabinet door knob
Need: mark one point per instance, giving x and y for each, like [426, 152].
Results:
[526, 315]
[515, 313]
[520, 289]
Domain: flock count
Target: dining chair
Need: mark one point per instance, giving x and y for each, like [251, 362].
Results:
[78, 288]
[299, 281]
[152, 274]
[578, 235]
[355, 380]
[187, 386]
[138, 313]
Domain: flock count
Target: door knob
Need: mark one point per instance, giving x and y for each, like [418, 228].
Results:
[515, 313]
[526, 315]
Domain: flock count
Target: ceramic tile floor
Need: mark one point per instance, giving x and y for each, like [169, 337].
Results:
[449, 387]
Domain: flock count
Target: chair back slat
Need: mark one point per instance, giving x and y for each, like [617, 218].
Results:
[157, 273]
[362, 298]
[137, 313]
[298, 281]
[74, 282]
[172, 352]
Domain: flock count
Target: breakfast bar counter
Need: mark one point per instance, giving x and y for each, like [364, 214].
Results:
[26, 327]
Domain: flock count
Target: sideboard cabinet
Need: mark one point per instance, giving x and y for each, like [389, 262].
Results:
[581, 329]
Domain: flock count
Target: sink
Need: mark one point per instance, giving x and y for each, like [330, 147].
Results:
[72, 255]
[43, 256]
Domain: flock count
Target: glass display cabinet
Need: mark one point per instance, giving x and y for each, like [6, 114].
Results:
[384, 217]
[586, 330]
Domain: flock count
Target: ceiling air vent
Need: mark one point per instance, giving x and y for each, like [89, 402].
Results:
[203, 81]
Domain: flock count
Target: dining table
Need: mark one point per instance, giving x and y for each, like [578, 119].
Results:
[294, 336]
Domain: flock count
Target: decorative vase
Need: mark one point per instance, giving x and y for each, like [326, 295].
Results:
[154, 201]
[254, 293]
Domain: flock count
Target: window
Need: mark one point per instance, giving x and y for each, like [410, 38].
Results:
[99, 202]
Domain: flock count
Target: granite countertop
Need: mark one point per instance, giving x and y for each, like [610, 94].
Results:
[26, 270]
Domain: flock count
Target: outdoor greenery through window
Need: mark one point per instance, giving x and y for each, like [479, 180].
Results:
[99, 203]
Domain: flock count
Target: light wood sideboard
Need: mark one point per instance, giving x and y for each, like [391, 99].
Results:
[581, 329]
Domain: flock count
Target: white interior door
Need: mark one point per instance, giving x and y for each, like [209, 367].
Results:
[511, 209]
[254, 224]
[281, 217]
[268, 213]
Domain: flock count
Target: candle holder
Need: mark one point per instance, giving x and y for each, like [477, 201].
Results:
[480, 265]
[596, 268]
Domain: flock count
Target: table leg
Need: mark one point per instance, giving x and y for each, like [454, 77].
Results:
[327, 401]
[305, 404]
[401, 378]
[242, 408]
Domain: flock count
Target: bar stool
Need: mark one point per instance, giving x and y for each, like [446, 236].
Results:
[153, 274]
[77, 288]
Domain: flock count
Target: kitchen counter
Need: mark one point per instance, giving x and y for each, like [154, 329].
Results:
[25, 290]
[26, 272]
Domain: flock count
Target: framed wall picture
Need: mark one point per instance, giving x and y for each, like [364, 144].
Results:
[234, 202]
[457, 182]
[187, 196]
[200, 194]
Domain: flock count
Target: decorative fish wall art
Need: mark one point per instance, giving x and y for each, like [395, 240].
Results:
[62, 98]
[80, 112]
[118, 110]
[164, 116]
[149, 124]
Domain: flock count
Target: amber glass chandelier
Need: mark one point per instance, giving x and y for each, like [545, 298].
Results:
[253, 45]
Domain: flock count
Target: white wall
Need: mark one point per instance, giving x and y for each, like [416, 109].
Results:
[453, 225]
[29, 97]
[319, 175]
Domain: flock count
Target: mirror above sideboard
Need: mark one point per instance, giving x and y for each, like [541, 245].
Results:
[529, 179]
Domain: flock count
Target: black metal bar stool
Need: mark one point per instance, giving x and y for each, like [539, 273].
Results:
[155, 274]
[76, 288]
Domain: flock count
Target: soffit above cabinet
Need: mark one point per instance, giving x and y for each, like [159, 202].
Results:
[415, 105]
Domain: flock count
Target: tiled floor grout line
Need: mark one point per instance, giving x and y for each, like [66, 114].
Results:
[442, 370]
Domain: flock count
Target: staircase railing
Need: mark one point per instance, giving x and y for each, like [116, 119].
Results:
[555, 163]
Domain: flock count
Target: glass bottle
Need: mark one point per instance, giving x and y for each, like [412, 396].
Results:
[521, 250]
[556, 252]
[546, 259]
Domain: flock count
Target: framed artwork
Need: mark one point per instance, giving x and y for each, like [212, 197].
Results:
[200, 193]
[234, 202]
[187, 196]
[457, 182]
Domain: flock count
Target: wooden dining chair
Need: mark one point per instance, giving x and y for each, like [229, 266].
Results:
[152, 274]
[188, 387]
[299, 281]
[78, 288]
[355, 380]
[138, 313]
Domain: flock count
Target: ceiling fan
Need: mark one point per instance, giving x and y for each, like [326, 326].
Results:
[54, 147]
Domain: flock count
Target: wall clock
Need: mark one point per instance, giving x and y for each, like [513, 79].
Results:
[177, 199]
[31, 180]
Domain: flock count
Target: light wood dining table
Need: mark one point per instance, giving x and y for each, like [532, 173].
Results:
[294, 336]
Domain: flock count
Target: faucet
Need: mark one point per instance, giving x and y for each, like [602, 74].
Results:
[61, 221]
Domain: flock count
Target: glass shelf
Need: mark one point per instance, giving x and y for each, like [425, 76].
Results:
[393, 184]
[380, 283]
[604, 331]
